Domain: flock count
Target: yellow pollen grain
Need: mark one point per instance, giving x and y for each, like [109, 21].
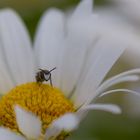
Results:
[47, 102]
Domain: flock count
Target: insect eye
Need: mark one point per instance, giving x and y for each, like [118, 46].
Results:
[47, 73]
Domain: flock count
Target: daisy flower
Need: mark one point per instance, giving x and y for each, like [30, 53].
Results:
[83, 53]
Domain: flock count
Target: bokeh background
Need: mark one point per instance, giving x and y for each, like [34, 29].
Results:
[98, 125]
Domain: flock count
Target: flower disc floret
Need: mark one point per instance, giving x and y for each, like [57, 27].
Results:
[47, 102]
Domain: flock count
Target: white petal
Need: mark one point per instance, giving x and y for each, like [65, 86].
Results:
[83, 9]
[67, 122]
[15, 47]
[6, 134]
[6, 81]
[48, 42]
[105, 107]
[80, 37]
[73, 61]
[131, 75]
[104, 55]
[28, 123]
[120, 90]
[113, 81]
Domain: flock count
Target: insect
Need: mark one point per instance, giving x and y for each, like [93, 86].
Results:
[44, 75]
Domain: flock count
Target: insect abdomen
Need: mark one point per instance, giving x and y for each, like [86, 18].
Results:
[40, 77]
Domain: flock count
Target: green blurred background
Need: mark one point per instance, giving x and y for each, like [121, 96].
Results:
[98, 125]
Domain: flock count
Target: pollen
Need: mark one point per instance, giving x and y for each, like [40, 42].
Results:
[47, 102]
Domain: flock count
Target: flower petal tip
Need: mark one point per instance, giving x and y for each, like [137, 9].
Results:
[67, 122]
[28, 123]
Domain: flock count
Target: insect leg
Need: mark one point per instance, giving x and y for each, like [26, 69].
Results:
[51, 80]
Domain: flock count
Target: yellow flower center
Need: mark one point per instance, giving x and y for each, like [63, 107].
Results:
[47, 102]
